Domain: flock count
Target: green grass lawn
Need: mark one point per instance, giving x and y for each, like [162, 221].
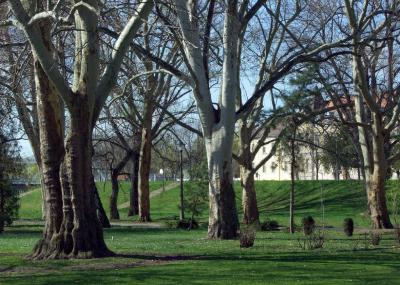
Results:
[170, 256]
[275, 258]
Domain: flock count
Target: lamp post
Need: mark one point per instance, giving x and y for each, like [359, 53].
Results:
[163, 179]
[182, 210]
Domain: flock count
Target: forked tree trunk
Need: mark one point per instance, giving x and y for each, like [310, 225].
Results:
[114, 214]
[134, 202]
[218, 123]
[80, 234]
[223, 220]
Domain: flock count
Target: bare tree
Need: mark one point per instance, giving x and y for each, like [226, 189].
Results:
[371, 81]
[76, 232]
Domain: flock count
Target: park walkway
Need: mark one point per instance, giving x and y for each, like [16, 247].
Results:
[153, 193]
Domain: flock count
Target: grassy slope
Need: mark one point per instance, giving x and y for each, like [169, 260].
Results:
[341, 199]
[31, 203]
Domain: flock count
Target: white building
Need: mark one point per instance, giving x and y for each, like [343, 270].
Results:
[278, 167]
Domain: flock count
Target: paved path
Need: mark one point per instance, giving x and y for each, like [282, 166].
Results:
[153, 193]
[27, 193]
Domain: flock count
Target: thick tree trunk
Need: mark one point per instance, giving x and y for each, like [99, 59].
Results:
[249, 200]
[52, 151]
[114, 214]
[86, 234]
[223, 219]
[375, 184]
[144, 172]
[134, 202]
[79, 233]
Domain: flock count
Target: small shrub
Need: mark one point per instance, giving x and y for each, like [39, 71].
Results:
[348, 226]
[247, 236]
[187, 224]
[397, 233]
[312, 241]
[308, 225]
[270, 225]
[375, 238]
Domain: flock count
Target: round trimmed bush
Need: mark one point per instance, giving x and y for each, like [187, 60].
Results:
[308, 225]
[348, 226]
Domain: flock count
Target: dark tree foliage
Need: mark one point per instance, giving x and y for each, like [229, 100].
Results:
[339, 150]
[10, 165]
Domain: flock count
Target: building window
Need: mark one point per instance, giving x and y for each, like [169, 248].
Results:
[264, 168]
[264, 150]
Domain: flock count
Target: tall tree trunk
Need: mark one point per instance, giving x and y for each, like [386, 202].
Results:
[145, 154]
[134, 202]
[376, 178]
[144, 172]
[249, 199]
[51, 136]
[114, 214]
[223, 219]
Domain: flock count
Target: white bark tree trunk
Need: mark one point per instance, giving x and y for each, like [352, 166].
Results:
[218, 124]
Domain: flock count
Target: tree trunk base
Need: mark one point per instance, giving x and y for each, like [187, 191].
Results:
[219, 233]
[132, 213]
[144, 220]
[60, 248]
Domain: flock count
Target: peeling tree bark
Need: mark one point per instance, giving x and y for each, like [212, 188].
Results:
[51, 137]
